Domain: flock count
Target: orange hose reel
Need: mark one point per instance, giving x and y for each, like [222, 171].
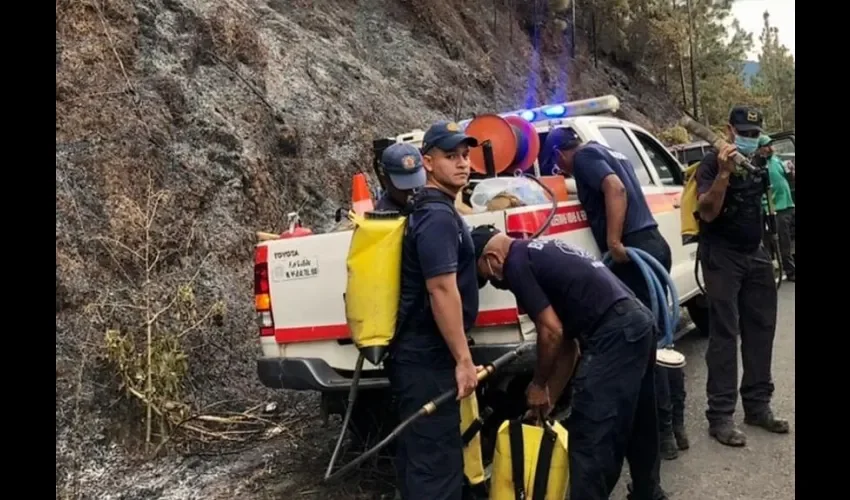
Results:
[514, 141]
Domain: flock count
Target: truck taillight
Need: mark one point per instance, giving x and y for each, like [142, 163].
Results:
[262, 299]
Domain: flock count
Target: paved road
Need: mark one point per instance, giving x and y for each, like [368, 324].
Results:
[765, 468]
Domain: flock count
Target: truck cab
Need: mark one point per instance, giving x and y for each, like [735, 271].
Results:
[300, 282]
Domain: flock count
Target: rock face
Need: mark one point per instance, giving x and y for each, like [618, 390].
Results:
[183, 126]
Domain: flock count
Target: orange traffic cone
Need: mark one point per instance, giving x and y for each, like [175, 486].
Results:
[361, 200]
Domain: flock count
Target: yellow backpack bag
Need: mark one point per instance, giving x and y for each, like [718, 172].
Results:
[371, 305]
[530, 462]
[689, 204]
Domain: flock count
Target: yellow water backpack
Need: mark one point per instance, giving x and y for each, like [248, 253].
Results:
[530, 462]
[373, 285]
[371, 305]
[689, 205]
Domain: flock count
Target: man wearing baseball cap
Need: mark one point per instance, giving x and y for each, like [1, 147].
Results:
[402, 173]
[619, 216]
[437, 307]
[739, 283]
[570, 295]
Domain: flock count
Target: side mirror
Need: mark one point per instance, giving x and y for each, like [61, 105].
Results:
[340, 212]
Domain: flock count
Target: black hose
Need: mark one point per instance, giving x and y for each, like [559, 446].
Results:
[427, 409]
[352, 397]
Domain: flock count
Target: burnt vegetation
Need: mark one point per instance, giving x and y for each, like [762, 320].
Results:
[184, 127]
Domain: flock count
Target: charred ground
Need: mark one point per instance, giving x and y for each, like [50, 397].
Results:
[185, 126]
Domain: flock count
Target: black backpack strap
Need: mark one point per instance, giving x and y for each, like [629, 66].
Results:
[517, 458]
[544, 462]
[476, 425]
[417, 201]
[472, 430]
[420, 199]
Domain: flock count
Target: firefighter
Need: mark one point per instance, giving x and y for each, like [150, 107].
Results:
[619, 216]
[571, 295]
[402, 173]
[739, 283]
[438, 306]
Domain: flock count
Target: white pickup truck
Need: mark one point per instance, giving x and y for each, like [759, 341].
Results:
[300, 281]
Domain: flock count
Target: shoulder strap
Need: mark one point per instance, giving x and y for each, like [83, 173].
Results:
[517, 458]
[544, 462]
[419, 200]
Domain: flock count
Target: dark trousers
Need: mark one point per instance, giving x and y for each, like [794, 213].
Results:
[429, 460]
[741, 302]
[669, 382]
[613, 407]
[784, 220]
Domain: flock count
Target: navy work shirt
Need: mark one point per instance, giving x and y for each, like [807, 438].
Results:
[437, 242]
[739, 225]
[592, 163]
[579, 287]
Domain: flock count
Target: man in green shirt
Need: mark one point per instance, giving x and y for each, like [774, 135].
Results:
[783, 202]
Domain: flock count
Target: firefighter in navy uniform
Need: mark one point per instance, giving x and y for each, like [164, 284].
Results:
[619, 216]
[402, 172]
[438, 306]
[739, 281]
[571, 295]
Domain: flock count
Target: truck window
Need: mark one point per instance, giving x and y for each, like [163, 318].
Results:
[692, 155]
[667, 167]
[618, 140]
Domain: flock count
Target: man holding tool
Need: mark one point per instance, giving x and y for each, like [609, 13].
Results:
[571, 295]
[619, 216]
[739, 282]
[438, 305]
[402, 172]
[783, 202]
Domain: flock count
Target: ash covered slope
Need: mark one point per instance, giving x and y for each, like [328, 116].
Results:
[244, 110]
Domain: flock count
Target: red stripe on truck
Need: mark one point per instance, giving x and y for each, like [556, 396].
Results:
[572, 217]
[566, 219]
[289, 335]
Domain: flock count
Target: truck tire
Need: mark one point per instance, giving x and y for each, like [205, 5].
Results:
[698, 312]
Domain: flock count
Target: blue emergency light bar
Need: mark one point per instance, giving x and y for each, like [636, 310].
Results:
[584, 107]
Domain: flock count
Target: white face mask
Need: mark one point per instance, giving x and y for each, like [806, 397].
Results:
[494, 280]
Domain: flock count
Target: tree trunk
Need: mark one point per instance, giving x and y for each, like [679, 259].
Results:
[684, 86]
[691, 40]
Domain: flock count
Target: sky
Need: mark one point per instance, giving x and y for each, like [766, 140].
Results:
[749, 14]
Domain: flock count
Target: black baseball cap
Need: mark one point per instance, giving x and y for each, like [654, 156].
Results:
[481, 235]
[746, 119]
[446, 135]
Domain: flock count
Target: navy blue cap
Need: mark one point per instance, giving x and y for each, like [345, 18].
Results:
[481, 235]
[446, 135]
[561, 139]
[746, 119]
[403, 164]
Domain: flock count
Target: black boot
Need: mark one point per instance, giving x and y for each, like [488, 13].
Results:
[669, 451]
[659, 493]
[681, 436]
[726, 432]
[768, 422]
